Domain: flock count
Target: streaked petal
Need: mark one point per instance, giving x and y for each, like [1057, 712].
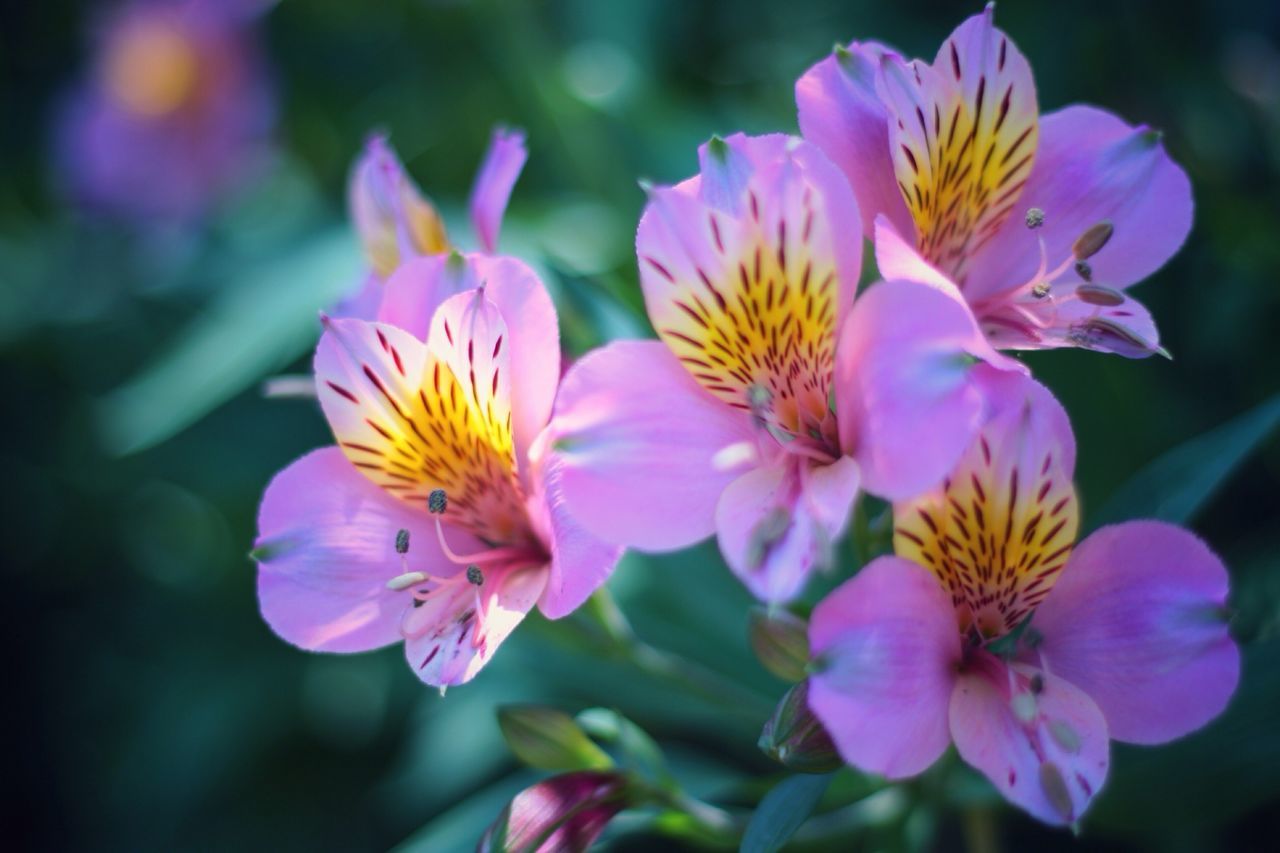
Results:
[842, 114]
[326, 546]
[1138, 620]
[639, 440]
[748, 291]
[456, 630]
[1074, 315]
[963, 135]
[498, 173]
[1047, 752]
[419, 287]
[392, 216]
[412, 424]
[1093, 167]
[1000, 528]
[906, 397]
[886, 647]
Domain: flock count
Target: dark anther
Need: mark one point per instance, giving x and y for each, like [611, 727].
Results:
[402, 541]
[437, 501]
[1084, 270]
[474, 575]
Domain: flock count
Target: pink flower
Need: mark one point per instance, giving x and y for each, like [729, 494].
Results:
[396, 222]
[1128, 639]
[351, 556]
[1038, 226]
[771, 398]
[177, 112]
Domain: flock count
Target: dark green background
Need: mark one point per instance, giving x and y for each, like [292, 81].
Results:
[148, 706]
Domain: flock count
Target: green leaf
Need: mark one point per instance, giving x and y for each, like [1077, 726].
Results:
[782, 811]
[549, 739]
[636, 750]
[1180, 483]
[256, 326]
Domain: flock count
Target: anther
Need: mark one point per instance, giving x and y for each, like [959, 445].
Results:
[474, 575]
[758, 398]
[1037, 684]
[437, 502]
[1096, 294]
[1035, 218]
[402, 541]
[406, 580]
[1084, 270]
[1040, 290]
[1092, 240]
[1024, 707]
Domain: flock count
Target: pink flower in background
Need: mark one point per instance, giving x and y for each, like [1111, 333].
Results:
[396, 222]
[1128, 639]
[1037, 224]
[177, 111]
[351, 556]
[771, 398]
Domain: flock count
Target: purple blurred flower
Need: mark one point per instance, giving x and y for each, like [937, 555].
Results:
[772, 397]
[963, 185]
[1128, 640]
[176, 111]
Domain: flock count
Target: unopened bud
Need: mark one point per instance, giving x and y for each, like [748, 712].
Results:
[563, 812]
[548, 739]
[402, 541]
[795, 738]
[780, 641]
[474, 575]
[1084, 270]
[437, 501]
[1035, 218]
[1092, 240]
[1096, 294]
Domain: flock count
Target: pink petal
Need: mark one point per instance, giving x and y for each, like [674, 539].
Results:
[1092, 167]
[906, 398]
[638, 438]
[456, 630]
[1046, 752]
[327, 537]
[1076, 315]
[580, 562]
[841, 113]
[392, 217]
[418, 288]
[760, 234]
[778, 522]
[363, 301]
[501, 168]
[1138, 620]
[887, 645]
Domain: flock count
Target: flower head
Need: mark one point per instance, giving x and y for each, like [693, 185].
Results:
[771, 398]
[435, 519]
[1126, 637]
[396, 222]
[951, 158]
[176, 112]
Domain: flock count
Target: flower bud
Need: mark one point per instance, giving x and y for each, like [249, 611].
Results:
[549, 739]
[566, 812]
[795, 738]
[780, 641]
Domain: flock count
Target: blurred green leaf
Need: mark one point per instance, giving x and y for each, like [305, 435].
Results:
[782, 811]
[549, 739]
[637, 751]
[1180, 483]
[256, 326]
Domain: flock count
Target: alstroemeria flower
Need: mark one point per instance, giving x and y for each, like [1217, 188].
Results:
[1038, 224]
[396, 222]
[352, 557]
[177, 111]
[1127, 639]
[771, 398]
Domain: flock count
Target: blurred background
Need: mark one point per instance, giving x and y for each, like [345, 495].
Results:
[151, 280]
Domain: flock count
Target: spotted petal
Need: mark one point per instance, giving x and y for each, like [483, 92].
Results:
[747, 271]
[1000, 528]
[963, 135]
[414, 421]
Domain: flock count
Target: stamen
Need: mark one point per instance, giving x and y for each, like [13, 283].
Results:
[1096, 294]
[406, 580]
[1084, 270]
[1092, 240]
[1040, 290]
[402, 541]
[491, 556]
[437, 502]
[474, 575]
[733, 455]
[1035, 218]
